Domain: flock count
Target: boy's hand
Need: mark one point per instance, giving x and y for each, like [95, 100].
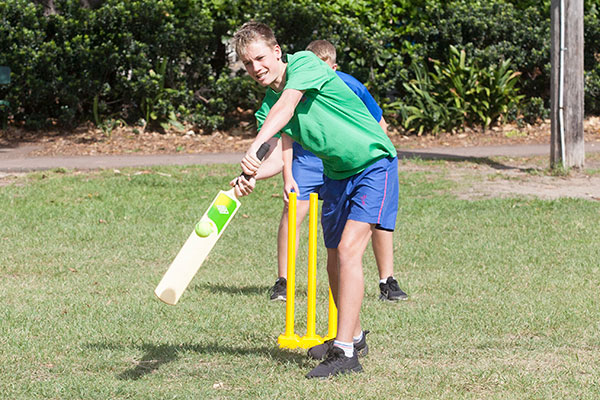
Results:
[250, 163]
[243, 186]
[288, 187]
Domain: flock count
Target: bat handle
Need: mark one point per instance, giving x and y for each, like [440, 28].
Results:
[260, 154]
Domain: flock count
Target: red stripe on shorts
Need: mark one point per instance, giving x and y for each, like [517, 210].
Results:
[383, 200]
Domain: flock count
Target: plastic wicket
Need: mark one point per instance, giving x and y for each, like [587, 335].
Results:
[290, 339]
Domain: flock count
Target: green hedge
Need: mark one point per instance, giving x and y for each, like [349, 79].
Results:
[165, 62]
[64, 64]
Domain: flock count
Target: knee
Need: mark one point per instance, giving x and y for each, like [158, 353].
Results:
[348, 256]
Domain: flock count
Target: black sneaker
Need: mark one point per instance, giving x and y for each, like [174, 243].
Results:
[335, 363]
[390, 290]
[361, 348]
[279, 290]
[319, 351]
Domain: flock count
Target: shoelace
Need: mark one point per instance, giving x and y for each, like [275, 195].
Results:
[333, 356]
[394, 286]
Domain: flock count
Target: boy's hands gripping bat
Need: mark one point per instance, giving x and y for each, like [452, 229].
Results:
[200, 242]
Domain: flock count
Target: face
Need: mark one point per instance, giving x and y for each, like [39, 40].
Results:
[263, 64]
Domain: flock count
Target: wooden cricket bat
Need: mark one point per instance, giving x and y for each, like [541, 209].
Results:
[196, 248]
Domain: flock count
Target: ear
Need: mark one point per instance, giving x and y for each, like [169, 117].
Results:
[334, 66]
[277, 51]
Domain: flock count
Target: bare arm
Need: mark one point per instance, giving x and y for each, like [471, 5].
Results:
[383, 125]
[273, 164]
[289, 183]
[278, 117]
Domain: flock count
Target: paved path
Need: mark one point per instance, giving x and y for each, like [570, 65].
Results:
[19, 159]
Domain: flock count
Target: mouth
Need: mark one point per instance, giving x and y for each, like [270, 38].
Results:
[261, 76]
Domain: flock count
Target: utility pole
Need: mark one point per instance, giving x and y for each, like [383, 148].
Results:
[567, 90]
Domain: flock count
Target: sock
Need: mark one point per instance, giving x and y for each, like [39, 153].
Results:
[384, 280]
[347, 347]
[358, 338]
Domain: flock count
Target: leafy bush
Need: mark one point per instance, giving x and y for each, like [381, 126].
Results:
[458, 93]
[165, 62]
[132, 60]
[591, 54]
[592, 91]
[490, 31]
[533, 110]
[425, 109]
[21, 33]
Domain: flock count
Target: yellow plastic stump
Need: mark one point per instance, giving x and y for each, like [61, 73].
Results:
[311, 338]
[289, 339]
[332, 326]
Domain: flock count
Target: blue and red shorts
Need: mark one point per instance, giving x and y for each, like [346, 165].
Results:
[370, 196]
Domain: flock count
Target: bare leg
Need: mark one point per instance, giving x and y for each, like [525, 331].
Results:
[333, 271]
[282, 235]
[383, 249]
[350, 290]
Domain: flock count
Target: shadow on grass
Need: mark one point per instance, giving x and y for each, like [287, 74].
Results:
[156, 355]
[232, 289]
[413, 155]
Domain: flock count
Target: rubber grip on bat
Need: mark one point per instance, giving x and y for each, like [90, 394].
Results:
[260, 154]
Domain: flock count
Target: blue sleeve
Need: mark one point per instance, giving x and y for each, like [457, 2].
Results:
[362, 92]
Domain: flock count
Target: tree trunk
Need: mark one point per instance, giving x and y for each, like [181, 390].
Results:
[570, 123]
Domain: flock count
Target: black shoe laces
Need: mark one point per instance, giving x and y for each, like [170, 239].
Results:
[394, 286]
[281, 282]
[334, 355]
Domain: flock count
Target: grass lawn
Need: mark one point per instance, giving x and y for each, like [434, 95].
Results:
[504, 295]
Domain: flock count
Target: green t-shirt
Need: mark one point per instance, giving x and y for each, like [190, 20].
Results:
[330, 120]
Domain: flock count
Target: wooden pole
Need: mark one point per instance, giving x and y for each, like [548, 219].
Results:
[568, 127]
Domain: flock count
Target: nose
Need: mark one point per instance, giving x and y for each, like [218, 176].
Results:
[255, 66]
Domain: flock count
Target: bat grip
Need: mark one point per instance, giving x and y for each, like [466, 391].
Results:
[260, 154]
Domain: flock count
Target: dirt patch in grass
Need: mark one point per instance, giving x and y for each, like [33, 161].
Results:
[522, 177]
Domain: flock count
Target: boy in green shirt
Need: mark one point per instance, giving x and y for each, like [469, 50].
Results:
[310, 104]
[307, 170]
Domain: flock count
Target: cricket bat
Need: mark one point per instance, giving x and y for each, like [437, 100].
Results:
[196, 248]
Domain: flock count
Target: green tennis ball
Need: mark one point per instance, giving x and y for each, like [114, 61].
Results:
[204, 228]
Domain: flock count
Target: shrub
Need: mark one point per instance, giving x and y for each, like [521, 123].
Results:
[490, 31]
[592, 91]
[533, 110]
[591, 54]
[458, 93]
[165, 62]
[131, 59]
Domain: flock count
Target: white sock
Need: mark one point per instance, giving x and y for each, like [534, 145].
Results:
[384, 280]
[358, 338]
[347, 347]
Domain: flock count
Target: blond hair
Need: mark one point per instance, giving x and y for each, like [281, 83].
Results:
[251, 32]
[323, 49]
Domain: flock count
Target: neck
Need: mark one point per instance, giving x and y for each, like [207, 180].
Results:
[279, 83]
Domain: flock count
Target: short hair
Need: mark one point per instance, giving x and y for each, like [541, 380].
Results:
[323, 49]
[250, 32]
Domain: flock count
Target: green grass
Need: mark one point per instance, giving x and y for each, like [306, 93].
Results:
[503, 295]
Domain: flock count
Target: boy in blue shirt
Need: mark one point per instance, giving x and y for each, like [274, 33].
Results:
[311, 105]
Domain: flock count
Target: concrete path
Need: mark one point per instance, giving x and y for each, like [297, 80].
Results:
[19, 159]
